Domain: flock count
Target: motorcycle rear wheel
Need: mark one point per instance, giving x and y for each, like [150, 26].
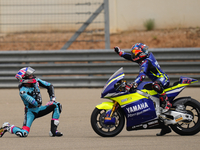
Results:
[189, 128]
[97, 122]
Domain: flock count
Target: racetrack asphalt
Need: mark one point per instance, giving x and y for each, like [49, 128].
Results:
[78, 104]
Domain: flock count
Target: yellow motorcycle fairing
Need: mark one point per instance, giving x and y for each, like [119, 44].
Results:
[105, 105]
[133, 97]
[123, 100]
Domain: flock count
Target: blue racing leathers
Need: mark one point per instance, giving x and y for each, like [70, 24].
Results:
[32, 100]
[149, 67]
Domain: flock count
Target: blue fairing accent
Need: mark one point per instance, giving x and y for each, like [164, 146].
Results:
[173, 93]
[108, 120]
[142, 84]
[108, 88]
[139, 111]
[187, 80]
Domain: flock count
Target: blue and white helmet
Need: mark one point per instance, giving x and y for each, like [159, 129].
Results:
[23, 75]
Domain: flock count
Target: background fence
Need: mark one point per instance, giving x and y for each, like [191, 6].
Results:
[31, 24]
[92, 68]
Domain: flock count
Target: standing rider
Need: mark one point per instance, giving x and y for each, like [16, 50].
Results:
[148, 67]
[29, 91]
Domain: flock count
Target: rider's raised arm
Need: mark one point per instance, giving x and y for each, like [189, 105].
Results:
[123, 54]
[127, 56]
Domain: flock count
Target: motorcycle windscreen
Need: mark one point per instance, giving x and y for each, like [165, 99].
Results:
[139, 111]
[109, 87]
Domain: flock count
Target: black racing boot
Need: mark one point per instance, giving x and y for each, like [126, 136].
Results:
[53, 131]
[164, 131]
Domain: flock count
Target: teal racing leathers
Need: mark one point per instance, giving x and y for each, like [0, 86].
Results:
[32, 100]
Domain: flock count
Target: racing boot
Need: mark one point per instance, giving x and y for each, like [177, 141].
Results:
[165, 104]
[5, 127]
[164, 131]
[53, 131]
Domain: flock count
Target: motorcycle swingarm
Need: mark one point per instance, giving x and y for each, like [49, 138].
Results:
[177, 117]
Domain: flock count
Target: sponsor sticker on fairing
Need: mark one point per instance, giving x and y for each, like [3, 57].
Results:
[137, 109]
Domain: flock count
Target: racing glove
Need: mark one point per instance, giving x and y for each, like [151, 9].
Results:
[131, 86]
[128, 86]
[53, 98]
[135, 85]
[118, 51]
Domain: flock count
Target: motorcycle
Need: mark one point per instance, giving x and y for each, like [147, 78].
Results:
[141, 108]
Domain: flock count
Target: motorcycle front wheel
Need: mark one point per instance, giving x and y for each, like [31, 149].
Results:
[97, 122]
[189, 128]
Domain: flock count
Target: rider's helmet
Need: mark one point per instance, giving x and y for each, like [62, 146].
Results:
[25, 75]
[139, 51]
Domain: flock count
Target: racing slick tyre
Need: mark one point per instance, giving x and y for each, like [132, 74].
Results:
[97, 122]
[192, 107]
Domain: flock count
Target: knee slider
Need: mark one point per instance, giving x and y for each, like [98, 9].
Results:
[157, 86]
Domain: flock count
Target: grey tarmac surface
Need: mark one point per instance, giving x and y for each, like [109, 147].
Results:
[78, 104]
